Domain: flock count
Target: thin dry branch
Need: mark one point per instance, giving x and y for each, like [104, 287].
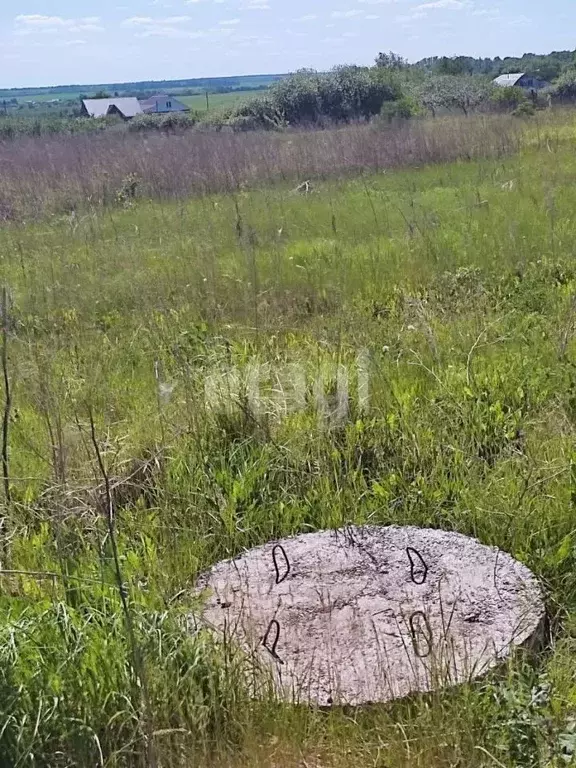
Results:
[5, 419]
[138, 661]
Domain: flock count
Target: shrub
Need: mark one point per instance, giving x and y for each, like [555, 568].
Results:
[171, 121]
[508, 98]
[126, 193]
[297, 98]
[177, 121]
[215, 120]
[143, 123]
[526, 109]
[309, 98]
[351, 93]
[403, 108]
[465, 93]
[259, 113]
[12, 127]
[565, 87]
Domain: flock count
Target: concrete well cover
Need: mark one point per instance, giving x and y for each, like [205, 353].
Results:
[370, 614]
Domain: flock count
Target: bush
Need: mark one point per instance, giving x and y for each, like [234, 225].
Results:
[508, 98]
[565, 87]
[174, 121]
[258, 113]
[12, 127]
[157, 122]
[526, 109]
[465, 93]
[215, 120]
[403, 108]
[241, 123]
[309, 98]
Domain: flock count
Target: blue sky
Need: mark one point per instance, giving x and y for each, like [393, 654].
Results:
[47, 42]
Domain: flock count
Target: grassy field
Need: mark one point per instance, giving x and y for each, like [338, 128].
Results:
[174, 87]
[458, 280]
[43, 98]
[197, 101]
[217, 100]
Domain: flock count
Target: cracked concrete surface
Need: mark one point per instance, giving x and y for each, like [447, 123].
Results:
[370, 614]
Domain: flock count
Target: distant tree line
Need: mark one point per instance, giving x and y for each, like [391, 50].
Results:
[390, 89]
[195, 85]
[548, 67]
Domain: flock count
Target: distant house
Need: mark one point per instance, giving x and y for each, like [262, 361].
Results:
[126, 108]
[520, 80]
[162, 104]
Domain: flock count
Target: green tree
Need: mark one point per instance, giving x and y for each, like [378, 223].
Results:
[347, 93]
[391, 61]
[565, 87]
[448, 92]
[452, 66]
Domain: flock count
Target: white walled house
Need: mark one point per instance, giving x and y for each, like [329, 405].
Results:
[126, 108]
[162, 104]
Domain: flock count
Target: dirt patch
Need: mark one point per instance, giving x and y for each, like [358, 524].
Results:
[367, 614]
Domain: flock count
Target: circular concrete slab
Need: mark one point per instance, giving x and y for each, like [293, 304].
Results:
[370, 614]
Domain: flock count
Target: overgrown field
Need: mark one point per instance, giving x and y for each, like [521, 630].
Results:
[72, 174]
[456, 281]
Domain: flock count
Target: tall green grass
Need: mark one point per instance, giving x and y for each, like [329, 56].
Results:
[458, 282]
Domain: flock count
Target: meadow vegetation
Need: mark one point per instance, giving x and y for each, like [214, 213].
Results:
[136, 268]
[56, 175]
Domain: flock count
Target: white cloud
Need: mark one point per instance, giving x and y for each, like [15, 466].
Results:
[229, 22]
[408, 17]
[135, 21]
[148, 21]
[177, 20]
[371, 17]
[449, 5]
[520, 21]
[174, 27]
[37, 20]
[308, 17]
[30, 24]
[173, 32]
[346, 14]
[488, 15]
[256, 5]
